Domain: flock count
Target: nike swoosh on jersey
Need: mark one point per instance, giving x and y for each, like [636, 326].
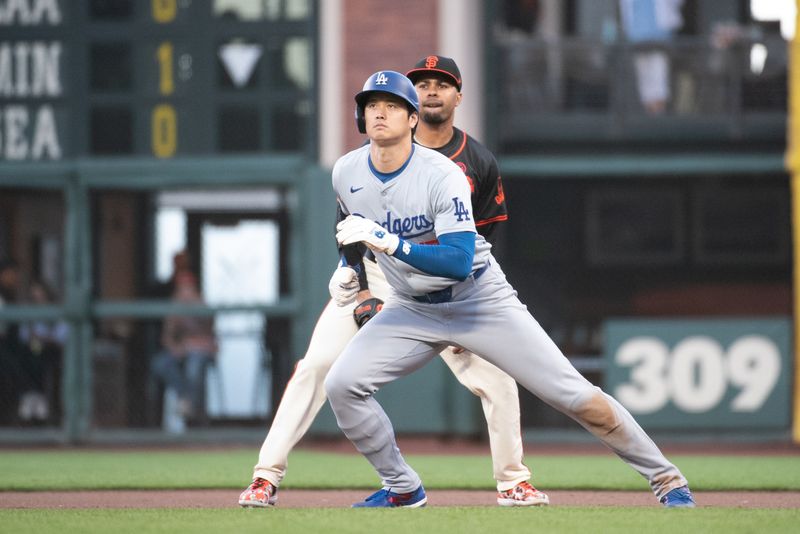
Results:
[355, 189]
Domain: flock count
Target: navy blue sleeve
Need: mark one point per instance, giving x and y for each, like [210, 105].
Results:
[352, 255]
[451, 258]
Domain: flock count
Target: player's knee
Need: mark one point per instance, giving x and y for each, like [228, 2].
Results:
[311, 369]
[344, 384]
[501, 390]
[595, 410]
[336, 386]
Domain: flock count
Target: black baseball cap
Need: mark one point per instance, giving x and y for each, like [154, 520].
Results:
[436, 65]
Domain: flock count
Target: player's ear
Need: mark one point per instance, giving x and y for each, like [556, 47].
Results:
[413, 119]
[458, 98]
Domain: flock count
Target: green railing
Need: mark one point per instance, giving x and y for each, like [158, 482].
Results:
[311, 250]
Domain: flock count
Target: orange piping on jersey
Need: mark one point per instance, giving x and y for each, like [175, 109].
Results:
[461, 148]
[492, 220]
[501, 196]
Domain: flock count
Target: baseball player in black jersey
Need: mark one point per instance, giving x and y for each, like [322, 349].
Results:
[438, 83]
[357, 295]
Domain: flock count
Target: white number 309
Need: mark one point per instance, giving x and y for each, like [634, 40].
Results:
[696, 374]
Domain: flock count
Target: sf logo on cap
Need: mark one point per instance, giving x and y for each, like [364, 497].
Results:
[381, 79]
[431, 61]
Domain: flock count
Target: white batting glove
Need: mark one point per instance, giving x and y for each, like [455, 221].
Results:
[354, 229]
[343, 286]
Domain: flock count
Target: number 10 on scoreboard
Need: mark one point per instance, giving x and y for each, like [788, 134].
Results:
[163, 119]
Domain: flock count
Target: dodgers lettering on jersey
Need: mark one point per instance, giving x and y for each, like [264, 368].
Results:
[427, 199]
[407, 227]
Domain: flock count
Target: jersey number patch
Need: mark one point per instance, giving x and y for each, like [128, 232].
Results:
[461, 212]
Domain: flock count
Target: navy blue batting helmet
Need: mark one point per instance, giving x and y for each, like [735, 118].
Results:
[385, 81]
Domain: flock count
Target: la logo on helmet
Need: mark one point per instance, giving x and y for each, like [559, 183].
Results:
[381, 79]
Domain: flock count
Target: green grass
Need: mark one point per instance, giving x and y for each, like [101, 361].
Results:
[231, 469]
[439, 520]
[91, 469]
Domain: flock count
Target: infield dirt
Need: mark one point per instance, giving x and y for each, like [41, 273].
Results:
[344, 498]
[291, 498]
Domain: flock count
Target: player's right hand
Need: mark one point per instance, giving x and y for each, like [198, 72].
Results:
[355, 229]
[343, 286]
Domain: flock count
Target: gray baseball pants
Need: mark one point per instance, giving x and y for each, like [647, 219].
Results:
[485, 317]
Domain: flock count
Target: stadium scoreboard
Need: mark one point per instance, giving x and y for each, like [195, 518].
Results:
[158, 78]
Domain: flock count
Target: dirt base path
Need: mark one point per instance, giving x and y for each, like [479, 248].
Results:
[344, 498]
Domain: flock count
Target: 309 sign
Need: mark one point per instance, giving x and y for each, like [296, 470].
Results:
[697, 372]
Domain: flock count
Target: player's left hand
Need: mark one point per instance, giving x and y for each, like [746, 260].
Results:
[343, 285]
[354, 229]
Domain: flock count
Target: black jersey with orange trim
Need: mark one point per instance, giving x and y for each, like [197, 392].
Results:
[480, 167]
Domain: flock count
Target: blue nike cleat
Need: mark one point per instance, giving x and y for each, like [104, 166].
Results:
[678, 498]
[389, 499]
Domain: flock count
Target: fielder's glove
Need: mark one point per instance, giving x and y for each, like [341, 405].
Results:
[343, 286]
[367, 310]
[354, 229]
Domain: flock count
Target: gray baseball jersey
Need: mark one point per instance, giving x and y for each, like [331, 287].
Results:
[427, 198]
[481, 314]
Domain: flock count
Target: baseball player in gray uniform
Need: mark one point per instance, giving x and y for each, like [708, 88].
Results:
[411, 206]
[439, 82]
